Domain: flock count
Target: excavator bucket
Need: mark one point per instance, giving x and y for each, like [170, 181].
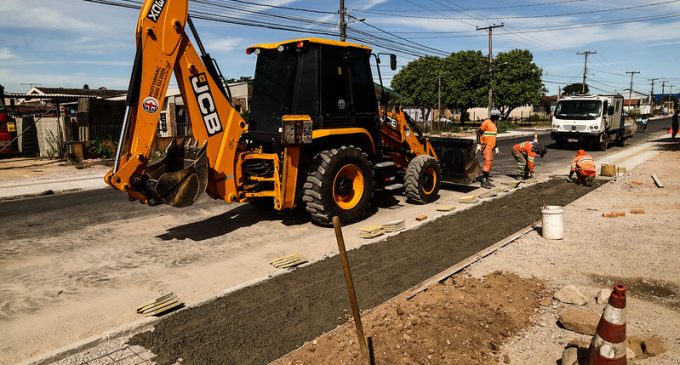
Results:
[176, 180]
[457, 159]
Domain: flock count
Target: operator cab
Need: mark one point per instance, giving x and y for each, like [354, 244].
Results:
[330, 81]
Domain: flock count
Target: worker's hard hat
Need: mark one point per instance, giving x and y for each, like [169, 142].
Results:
[539, 149]
[580, 152]
[495, 113]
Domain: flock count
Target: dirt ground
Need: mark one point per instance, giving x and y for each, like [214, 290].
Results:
[29, 169]
[640, 251]
[260, 323]
[462, 321]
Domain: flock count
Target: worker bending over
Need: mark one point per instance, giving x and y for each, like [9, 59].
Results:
[524, 154]
[486, 142]
[584, 167]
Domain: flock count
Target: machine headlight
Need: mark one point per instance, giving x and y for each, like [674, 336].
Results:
[280, 48]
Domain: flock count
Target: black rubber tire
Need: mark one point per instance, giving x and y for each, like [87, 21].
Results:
[416, 179]
[318, 187]
[603, 145]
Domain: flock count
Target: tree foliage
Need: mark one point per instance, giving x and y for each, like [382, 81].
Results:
[418, 82]
[464, 81]
[516, 81]
[575, 88]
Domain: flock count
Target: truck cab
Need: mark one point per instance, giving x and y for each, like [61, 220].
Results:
[591, 119]
[8, 130]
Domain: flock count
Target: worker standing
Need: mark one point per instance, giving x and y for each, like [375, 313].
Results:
[584, 167]
[674, 123]
[524, 154]
[486, 142]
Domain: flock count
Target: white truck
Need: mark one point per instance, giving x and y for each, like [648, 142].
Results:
[591, 119]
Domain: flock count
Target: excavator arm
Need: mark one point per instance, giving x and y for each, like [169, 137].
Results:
[163, 46]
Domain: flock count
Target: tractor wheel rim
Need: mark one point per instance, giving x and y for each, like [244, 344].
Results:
[348, 176]
[429, 181]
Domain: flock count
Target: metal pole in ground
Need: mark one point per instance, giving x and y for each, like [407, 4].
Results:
[350, 288]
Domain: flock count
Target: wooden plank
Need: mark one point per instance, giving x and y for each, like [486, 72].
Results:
[657, 181]
[170, 306]
[155, 301]
[434, 280]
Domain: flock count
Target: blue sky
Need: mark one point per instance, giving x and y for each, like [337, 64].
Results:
[67, 43]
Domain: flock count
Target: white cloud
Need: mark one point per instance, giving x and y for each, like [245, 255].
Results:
[6, 54]
[365, 5]
[223, 45]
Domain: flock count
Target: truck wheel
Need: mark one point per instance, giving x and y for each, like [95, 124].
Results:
[423, 179]
[339, 183]
[604, 144]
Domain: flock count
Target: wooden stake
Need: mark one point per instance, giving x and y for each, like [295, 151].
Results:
[350, 289]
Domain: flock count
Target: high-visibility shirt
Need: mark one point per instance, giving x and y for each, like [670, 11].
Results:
[583, 162]
[525, 149]
[489, 133]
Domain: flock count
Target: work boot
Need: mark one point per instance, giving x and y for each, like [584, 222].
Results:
[589, 181]
[486, 184]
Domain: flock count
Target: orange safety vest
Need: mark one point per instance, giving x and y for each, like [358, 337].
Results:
[583, 163]
[489, 135]
[525, 148]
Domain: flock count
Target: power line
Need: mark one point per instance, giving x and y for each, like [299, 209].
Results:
[521, 16]
[489, 8]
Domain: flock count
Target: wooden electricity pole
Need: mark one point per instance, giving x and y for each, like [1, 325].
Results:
[490, 29]
[585, 68]
[343, 21]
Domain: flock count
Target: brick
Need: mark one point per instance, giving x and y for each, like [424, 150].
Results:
[614, 214]
[636, 182]
[421, 217]
[637, 211]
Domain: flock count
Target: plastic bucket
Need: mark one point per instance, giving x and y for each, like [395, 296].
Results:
[553, 222]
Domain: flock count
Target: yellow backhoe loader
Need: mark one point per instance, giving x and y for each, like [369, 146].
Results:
[316, 135]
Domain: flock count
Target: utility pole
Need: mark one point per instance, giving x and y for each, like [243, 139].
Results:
[490, 29]
[630, 91]
[651, 91]
[343, 21]
[439, 102]
[585, 68]
[663, 90]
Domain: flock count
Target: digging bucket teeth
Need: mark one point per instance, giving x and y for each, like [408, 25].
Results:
[176, 180]
[457, 159]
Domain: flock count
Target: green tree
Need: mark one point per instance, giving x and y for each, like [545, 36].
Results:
[418, 83]
[574, 89]
[516, 81]
[465, 80]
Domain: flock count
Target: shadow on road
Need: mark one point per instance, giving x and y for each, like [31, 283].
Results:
[227, 222]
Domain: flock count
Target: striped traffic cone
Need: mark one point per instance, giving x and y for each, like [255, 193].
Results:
[608, 346]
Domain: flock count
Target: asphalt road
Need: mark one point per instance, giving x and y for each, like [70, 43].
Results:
[48, 213]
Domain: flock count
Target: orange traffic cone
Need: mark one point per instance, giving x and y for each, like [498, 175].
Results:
[670, 131]
[608, 346]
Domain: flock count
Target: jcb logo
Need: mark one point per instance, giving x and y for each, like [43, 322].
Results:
[156, 10]
[206, 104]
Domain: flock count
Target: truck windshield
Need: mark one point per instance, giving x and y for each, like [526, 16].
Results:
[578, 109]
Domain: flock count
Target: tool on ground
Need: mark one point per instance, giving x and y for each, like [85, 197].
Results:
[306, 141]
[608, 346]
[344, 260]
[160, 305]
[657, 181]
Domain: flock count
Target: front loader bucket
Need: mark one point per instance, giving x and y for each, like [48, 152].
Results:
[457, 159]
[176, 180]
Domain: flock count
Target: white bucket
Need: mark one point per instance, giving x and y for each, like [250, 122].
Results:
[553, 222]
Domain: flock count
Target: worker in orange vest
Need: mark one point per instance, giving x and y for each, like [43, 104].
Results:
[486, 142]
[584, 167]
[524, 154]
